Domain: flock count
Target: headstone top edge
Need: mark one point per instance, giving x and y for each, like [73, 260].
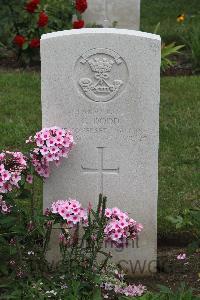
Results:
[101, 31]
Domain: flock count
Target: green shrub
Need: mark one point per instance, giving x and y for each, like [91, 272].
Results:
[189, 32]
[22, 24]
[189, 221]
[193, 43]
[182, 293]
[167, 51]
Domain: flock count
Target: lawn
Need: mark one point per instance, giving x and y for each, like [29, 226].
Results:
[166, 12]
[20, 116]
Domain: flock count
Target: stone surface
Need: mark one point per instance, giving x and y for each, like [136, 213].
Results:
[104, 85]
[104, 12]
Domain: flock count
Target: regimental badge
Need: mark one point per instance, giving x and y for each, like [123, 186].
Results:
[106, 74]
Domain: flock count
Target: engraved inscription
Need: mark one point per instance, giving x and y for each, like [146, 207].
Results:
[106, 123]
[106, 120]
[100, 170]
[101, 74]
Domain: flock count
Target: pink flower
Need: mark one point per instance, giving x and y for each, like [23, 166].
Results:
[2, 156]
[131, 290]
[120, 227]
[56, 156]
[59, 140]
[51, 146]
[66, 142]
[181, 256]
[36, 150]
[5, 175]
[5, 208]
[49, 223]
[47, 212]
[46, 173]
[12, 242]
[53, 149]
[29, 179]
[70, 210]
[74, 203]
[64, 152]
[12, 262]
[15, 178]
[115, 236]
[19, 157]
[51, 142]
[1, 182]
[116, 211]
[49, 157]
[12, 167]
[60, 132]
[39, 142]
[108, 212]
[75, 219]
[44, 150]
[139, 227]
[2, 168]
[45, 134]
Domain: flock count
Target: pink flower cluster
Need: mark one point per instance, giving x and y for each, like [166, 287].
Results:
[120, 227]
[5, 208]
[131, 290]
[71, 211]
[52, 144]
[181, 256]
[12, 165]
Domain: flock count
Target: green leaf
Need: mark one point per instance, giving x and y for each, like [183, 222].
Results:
[156, 28]
[9, 220]
[25, 46]
[164, 289]
[97, 294]
[4, 269]
[26, 194]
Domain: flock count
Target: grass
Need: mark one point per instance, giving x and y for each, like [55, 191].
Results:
[20, 116]
[179, 146]
[166, 12]
[20, 113]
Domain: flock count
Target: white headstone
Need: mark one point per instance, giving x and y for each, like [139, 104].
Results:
[104, 85]
[125, 13]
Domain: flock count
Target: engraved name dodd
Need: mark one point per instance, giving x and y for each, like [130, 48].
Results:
[107, 74]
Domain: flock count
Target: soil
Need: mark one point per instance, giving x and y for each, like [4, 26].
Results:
[180, 70]
[182, 67]
[10, 63]
[172, 272]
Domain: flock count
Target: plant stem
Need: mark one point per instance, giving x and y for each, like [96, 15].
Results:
[32, 201]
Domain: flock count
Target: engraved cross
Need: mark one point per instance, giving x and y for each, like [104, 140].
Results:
[100, 170]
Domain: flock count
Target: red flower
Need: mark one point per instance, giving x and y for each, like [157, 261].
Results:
[32, 5]
[34, 43]
[19, 40]
[78, 24]
[43, 19]
[81, 5]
